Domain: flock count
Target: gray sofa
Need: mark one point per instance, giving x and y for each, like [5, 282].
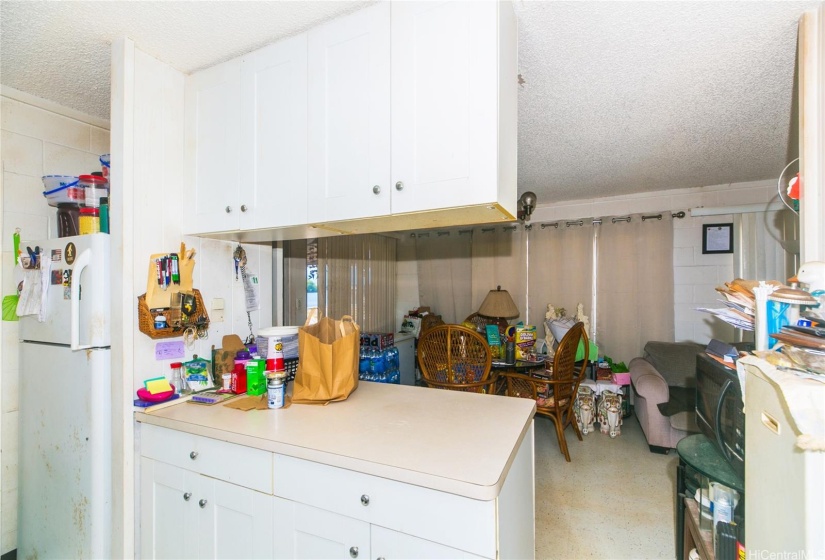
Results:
[665, 365]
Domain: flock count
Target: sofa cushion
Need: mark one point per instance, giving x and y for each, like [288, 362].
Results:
[675, 361]
[682, 399]
[684, 421]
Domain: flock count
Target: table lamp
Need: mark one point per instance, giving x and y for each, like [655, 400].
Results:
[499, 305]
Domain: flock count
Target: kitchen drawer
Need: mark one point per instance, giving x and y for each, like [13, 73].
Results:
[238, 464]
[449, 519]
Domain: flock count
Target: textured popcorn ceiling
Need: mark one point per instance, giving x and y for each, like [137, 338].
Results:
[617, 97]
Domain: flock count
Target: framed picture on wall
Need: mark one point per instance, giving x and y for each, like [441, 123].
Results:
[717, 238]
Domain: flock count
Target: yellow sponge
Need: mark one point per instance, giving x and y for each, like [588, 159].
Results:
[159, 385]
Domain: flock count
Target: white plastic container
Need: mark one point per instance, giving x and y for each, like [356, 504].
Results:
[94, 188]
[63, 189]
[268, 337]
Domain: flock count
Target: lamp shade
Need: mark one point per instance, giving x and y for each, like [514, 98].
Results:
[498, 303]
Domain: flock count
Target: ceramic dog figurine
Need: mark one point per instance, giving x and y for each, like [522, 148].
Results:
[610, 413]
[584, 408]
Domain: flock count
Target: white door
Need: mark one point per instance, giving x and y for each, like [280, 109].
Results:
[168, 511]
[213, 112]
[80, 263]
[64, 465]
[305, 532]
[234, 522]
[386, 543]
[349, 116]
[444, 104]
[274, 139]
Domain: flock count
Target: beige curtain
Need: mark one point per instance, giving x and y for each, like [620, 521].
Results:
[498, 258]
[357, 276]
[560, 269]
[295, 282]
[635, 285]
[444, 273]
[766, 245]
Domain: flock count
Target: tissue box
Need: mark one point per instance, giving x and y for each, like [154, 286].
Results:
[621, 378]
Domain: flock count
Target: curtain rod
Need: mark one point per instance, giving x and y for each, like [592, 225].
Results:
[679, 214]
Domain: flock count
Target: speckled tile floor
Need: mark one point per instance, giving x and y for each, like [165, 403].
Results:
[614, 500]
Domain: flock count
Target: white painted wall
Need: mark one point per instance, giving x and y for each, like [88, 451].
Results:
[38, 138]
[147, 163]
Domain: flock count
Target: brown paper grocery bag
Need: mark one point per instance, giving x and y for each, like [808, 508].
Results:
[327, 361]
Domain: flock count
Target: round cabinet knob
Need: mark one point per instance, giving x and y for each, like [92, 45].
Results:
[376, 189]
[365, 500]
[187, 495]
[193, 455]
[202, 503]
[399, 186]
[353, 551]
[243, 207]
[228, 209]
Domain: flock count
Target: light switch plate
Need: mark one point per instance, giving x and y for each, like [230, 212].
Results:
[216, 314]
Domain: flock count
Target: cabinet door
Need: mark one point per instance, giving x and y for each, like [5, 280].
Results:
[392, 544]
[306, 532]
[234, 522]
[168, 511]
[349, 116]
[274, 131]
[213, 110]
[444, 104]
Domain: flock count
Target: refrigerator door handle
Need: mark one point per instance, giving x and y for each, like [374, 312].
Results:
[82, 261]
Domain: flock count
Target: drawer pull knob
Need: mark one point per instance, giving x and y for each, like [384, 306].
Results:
[193, 455]
[353, 551]
[187, 495]
[228, 209]
[243, 207]
[380, 558]
[365, 500]
[376, 190]
[202, 503]
[399, 186]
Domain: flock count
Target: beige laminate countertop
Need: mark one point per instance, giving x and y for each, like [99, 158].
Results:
[462, 443]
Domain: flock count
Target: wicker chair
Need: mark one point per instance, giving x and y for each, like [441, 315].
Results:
[456, 358]
[428, 322]
[555, 396]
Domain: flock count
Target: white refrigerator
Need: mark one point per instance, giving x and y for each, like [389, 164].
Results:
[65, 464]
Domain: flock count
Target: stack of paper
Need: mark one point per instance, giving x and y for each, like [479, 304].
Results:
[739, 304]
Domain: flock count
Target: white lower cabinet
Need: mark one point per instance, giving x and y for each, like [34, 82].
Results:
[188, 515]
[303, 531]
[205, 498]
[307, 532]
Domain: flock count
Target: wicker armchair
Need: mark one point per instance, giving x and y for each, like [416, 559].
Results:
[429, 321]
[555, 397]
[456, 358]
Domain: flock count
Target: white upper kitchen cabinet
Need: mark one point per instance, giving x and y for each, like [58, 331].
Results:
[213, 125]
[453, 104]
[274, 135]
[349, 116]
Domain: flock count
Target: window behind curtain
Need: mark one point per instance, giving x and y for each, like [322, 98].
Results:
[357, 277]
